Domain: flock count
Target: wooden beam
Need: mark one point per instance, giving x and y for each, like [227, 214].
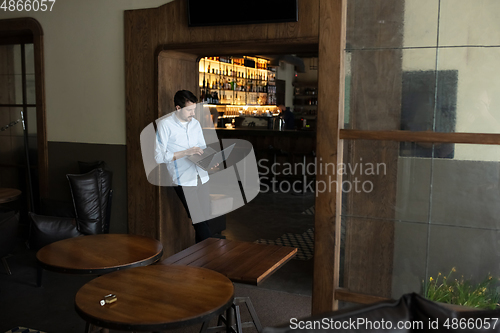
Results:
[424, 136]
[332, 31]
[245, 47]
[375, 104]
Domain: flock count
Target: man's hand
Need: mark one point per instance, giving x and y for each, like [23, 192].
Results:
[194, 151]
[188, 152]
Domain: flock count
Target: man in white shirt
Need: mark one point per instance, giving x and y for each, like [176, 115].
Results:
[178, 136]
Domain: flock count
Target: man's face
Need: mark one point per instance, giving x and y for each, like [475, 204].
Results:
[187, 112]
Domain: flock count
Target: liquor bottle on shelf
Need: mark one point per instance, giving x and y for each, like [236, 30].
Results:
[208, 70]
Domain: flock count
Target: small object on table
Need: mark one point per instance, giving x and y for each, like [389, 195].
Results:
[108, 299]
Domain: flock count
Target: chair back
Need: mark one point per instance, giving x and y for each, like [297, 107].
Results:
[91, 193]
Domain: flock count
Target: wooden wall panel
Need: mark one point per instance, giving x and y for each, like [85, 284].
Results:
[176, 71]
[174, 29]
[203, 34]
[141, 110]
[283, 30]
[308, 18]
[330, 119]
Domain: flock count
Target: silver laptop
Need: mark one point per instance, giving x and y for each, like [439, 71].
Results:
[210, 157]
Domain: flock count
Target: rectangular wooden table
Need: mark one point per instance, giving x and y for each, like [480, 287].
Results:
[242, 262]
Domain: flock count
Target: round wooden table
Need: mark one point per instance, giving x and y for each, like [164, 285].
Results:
[99, 254]
[155, 298]
[9, 194]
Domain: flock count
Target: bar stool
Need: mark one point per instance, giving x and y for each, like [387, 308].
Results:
[277, 152]
[227, 322]
[303, 156]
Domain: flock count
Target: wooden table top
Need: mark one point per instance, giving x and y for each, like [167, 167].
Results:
[9, 194]
[99, 254]
[242, 262]
[155, 298]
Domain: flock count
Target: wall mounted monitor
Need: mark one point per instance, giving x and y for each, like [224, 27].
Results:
[232, 12]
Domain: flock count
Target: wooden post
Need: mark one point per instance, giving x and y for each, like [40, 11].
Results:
[332, 33]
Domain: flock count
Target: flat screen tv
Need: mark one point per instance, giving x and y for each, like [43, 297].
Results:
[231, 12]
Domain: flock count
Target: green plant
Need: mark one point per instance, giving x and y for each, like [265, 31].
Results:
[462, 292]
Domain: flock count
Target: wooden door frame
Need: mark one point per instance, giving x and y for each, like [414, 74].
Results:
[329, 146]
[321, 23]
[11, 28]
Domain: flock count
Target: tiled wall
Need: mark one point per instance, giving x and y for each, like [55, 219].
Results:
[447, 211]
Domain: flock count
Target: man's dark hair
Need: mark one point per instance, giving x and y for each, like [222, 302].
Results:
[183, 96]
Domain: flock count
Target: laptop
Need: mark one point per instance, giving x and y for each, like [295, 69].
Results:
[210, 157]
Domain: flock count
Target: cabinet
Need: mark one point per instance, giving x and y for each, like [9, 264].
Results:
[305, 98]
[237, 81]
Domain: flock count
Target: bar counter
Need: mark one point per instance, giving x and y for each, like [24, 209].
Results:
[261, 131]
[288, 146]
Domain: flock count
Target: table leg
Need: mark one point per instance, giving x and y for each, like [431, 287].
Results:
[91, 328]
[238, 318]
[204, 327]
[255, 319]
[6, 265]
[229, 320]
[225, 322]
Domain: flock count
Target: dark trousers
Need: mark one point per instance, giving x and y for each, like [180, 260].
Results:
[201, 229]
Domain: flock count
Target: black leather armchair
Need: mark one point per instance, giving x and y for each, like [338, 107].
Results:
[91, 195]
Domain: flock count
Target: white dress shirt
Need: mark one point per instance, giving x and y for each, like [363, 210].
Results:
[174, 136]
